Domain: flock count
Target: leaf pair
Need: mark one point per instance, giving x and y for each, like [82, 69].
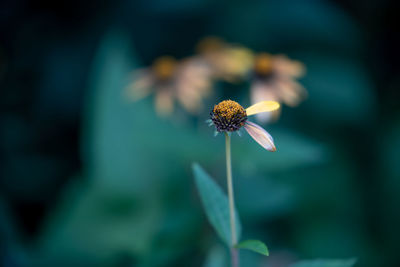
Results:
[216, 206]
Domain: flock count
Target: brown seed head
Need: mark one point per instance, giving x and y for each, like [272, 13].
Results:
[228, 116]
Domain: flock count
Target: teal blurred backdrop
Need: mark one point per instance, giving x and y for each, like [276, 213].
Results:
[90, 178]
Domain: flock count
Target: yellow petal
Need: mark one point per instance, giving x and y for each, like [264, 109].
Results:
[263, 106]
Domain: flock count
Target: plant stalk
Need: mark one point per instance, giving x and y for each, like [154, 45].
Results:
[234, 251]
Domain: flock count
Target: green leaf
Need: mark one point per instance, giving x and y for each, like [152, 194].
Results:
[254, 245]
[325, 263]
[216, 205]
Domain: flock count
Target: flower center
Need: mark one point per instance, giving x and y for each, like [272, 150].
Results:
[228, 116]
[263, 64]
[164, 67]
[228, 109]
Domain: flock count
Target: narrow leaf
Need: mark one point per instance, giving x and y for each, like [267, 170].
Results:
[254, 245]
[325, 263]
[216, 205]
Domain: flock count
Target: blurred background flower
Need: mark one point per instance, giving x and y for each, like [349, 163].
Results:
[273, 78]
[187, 81]
[88, 178]
[226, 61]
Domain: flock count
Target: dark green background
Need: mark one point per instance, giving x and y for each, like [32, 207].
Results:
[90, 179]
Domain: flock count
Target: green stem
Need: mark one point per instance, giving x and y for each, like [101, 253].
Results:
[234, 251]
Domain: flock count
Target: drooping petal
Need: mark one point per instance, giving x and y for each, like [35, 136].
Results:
[263, 106]
[260, 135]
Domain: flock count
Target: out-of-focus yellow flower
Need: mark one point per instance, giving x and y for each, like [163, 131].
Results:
[274, 78]
[227, 61]
[187, 81]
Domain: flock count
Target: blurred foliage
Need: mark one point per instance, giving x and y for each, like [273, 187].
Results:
[89, 178]
[325, 263]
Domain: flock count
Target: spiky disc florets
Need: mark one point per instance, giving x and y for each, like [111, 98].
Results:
[228, 116]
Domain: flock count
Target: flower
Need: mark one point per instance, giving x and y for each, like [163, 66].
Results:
[228, 62]
[188, 81]
[229, 116]
[274, 79]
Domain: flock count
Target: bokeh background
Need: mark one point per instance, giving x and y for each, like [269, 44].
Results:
[89, 178]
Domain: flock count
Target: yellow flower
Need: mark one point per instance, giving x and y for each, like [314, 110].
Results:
[187, 81]
[229, 116]
[274, 79]
[227, 61]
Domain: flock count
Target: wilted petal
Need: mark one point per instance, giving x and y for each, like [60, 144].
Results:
[263, 106]
[260, 135]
